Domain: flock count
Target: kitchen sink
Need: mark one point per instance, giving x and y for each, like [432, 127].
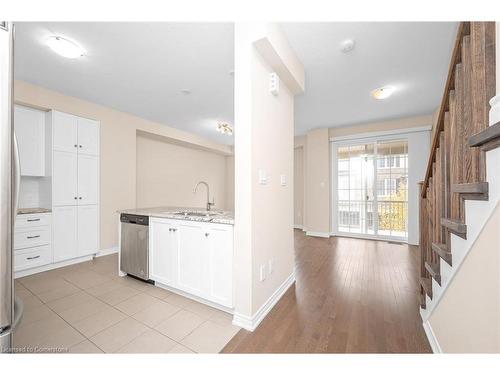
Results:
[196, 214]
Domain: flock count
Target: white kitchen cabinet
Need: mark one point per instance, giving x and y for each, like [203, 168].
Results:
[88, 136]
[64, 132]
[194, 257]
[65, 232]
[29, 125]
[64, 178]
[75, 185]
[88, 230]
[88, 179]
[163, 251]
[221, 263]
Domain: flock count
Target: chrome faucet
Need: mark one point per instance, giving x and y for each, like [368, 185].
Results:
[209, 204]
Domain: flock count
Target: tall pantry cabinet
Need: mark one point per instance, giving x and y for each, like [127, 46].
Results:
[75, 185]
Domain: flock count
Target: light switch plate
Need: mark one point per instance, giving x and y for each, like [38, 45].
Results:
[262, 177]
[283, 180]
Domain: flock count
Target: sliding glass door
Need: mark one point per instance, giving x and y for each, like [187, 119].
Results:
[371, 189]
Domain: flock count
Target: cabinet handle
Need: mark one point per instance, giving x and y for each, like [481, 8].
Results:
[170, 229]
[31, 237]
[76, 145]
[33, 219]
[174, 229]
[76, 197]
[80, 146]
[31, 258]
[206, 234]
[79, 197]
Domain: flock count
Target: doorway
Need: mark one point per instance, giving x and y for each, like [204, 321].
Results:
[370, 189]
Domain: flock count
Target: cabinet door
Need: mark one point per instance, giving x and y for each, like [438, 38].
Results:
[88, 230]
[29, 125]
[88, 136]
[64, 179]
[221, 264]
[65, 132]
[88, 179]
[163, 252]
[193, 258]
[64, 241]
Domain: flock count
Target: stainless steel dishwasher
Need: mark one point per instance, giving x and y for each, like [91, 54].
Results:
[134, 251]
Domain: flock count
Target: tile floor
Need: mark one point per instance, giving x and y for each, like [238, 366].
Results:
[88, 308]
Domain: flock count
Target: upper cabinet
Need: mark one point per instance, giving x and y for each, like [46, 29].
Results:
[88, 136]
[75, 134]
[29, 125]
[64, 132]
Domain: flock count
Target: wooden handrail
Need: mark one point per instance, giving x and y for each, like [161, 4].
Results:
[463, 29]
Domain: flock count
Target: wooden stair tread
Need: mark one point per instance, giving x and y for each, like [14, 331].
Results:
[488, 135]
[442, 251]
[471, 188]
[433, 269]
[427, 285]
[455, 226]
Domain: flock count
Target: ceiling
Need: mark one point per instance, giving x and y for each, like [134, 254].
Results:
[412, 56]
[142, 68]
[139, 68]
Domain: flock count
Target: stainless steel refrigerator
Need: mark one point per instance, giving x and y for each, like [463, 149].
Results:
[9, 188]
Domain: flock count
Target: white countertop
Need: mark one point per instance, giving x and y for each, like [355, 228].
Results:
[221, 217]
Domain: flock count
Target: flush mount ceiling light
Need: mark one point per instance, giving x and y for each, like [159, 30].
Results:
[224, 128]
[383, 92]
[347, 45]
[65, 47]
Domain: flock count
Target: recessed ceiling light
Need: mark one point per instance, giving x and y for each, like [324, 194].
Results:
[383, 92]
[347, 45]
[65, 47]
[224, 128]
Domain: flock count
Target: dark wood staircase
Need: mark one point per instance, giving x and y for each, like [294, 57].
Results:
[456, 170]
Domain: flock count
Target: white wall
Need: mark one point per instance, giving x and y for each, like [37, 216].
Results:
[263, 141]
[167, 174]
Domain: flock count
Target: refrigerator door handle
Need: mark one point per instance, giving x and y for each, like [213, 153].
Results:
[16, 170]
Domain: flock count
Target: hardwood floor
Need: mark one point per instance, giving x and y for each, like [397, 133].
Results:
[350, 296]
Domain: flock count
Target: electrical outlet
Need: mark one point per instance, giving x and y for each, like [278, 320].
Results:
[262, 272]
[270, 265]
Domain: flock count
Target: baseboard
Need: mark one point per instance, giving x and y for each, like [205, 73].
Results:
[250, 323]
[318, 234]
[194, 298]
[431, 337]
[298, 226]
[109, 251]
[69, 262]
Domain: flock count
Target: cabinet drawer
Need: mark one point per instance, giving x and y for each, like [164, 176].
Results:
[31, 237]
[33, 257]
[32, 220]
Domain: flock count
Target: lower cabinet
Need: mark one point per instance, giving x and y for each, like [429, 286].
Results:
[65, 232]
[194, 257]
[75, 231]
[88, 230]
